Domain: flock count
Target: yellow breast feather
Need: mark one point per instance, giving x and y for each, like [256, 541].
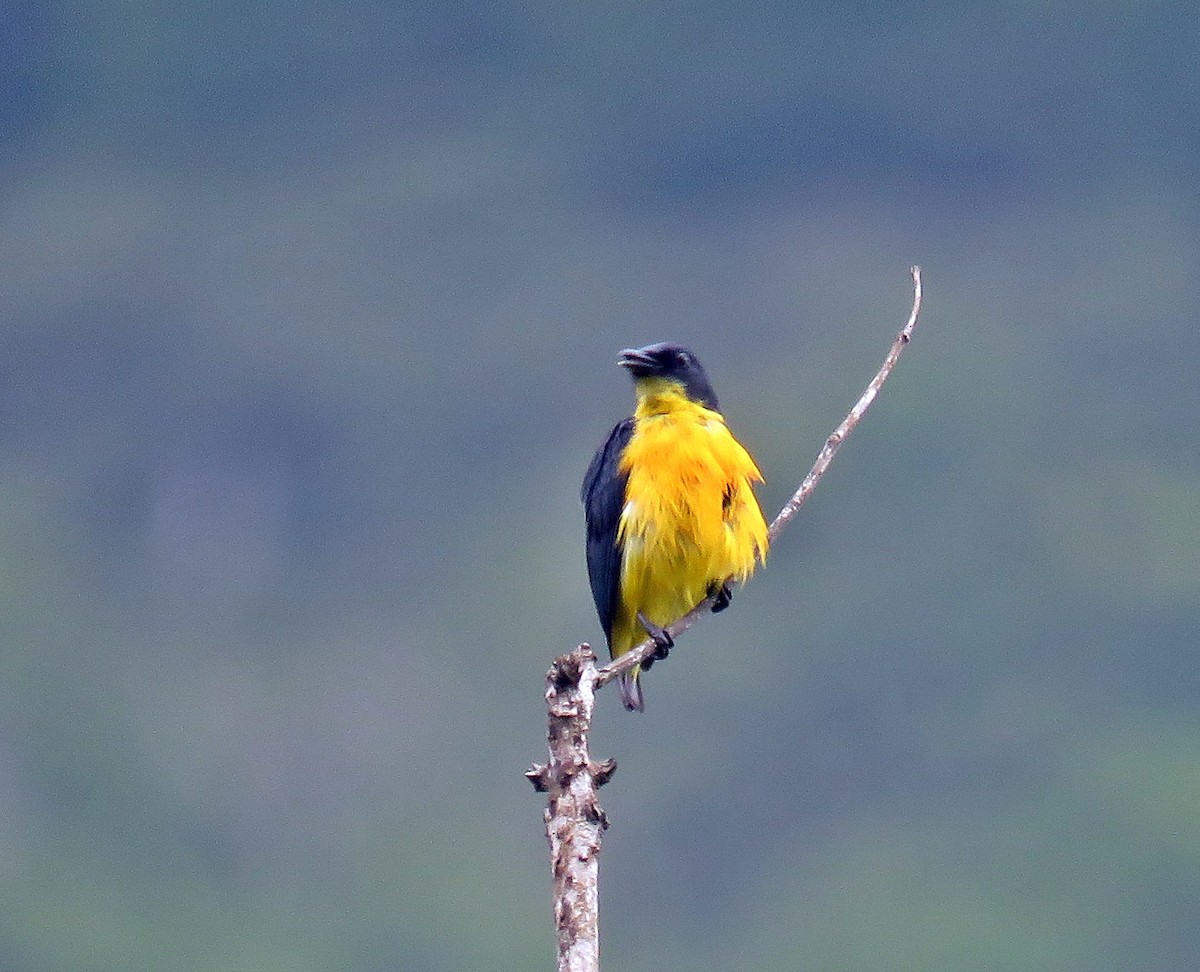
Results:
[690, 519]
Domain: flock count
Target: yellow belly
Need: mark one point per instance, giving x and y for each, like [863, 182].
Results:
[690, 519]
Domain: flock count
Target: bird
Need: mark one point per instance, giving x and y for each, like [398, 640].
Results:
[669, 507]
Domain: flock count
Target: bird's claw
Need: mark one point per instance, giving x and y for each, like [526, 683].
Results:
[722, 596]
[663, 642]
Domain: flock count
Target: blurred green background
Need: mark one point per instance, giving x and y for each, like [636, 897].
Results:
[308, 327]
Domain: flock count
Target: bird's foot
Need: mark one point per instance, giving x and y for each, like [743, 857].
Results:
[722, 596]
[663, 642]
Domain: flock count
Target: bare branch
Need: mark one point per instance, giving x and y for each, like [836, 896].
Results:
[574, 820]
[839, 435]
[850, 422]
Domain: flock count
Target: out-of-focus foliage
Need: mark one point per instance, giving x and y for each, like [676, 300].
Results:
[307, 331]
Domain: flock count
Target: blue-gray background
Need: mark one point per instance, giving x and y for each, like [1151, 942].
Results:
[308, 320]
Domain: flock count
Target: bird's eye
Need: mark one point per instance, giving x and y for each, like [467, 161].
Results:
[684, 358]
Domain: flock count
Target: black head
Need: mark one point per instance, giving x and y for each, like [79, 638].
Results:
[673, 363]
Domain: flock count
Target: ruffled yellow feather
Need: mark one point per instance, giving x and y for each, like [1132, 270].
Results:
[690, 519]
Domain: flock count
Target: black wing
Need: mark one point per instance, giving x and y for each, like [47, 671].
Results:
[603, 496]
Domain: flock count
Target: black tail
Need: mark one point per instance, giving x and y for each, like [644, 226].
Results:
[632, 696]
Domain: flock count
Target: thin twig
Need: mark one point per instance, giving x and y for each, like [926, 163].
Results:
[638, 655]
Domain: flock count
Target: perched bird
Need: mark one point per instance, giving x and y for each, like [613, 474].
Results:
[670, 509]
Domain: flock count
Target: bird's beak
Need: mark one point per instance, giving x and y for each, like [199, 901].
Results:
[634, 358]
